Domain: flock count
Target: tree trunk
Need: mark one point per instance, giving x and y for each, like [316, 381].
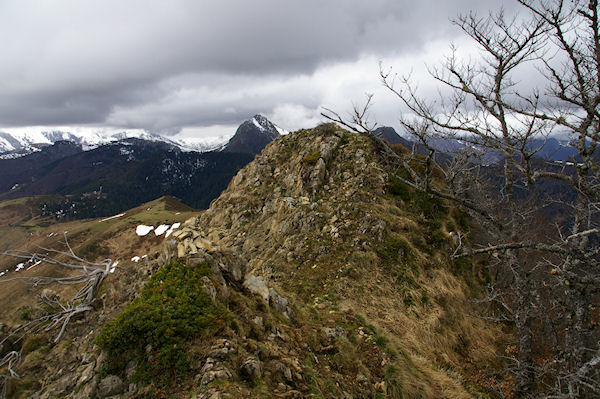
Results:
[525, 375]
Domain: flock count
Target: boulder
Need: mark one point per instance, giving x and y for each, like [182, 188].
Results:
[180, 250]
[284, 370]
[203, 243]
[334, 332]
[258, 286]
[232, 268]
[277, 301]
[251, 368]
[220, 373]
[220, 351]
[209, 288]
[86, 372]
[318, 174]
[100, 361]
[87, 390]
[110, 386]
[130, 369]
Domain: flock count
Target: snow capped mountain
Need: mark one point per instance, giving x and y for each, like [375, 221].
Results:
[253, 135]
[265, 125]
[26, 143]
[17, 144]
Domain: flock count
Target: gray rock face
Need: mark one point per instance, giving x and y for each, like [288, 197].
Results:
[284, 370]
[221, 350]
[110, 386]
[86, 372]
[258, 286]
[214, 370]
[318, 174]
[130, 369]
[391, 136]
[234, 269]
[278, 302]
[251, 368]
[334, 332]
[100, 361]
[86, 391]
[209, 288]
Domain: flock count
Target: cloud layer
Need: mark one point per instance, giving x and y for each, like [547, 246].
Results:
[164, 66]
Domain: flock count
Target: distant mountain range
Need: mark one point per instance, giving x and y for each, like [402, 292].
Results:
[550, 149]
[251, 136]
[96, 176]
[119, 172]
[18, 145]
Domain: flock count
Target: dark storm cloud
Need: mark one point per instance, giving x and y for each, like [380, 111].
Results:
[162, 65]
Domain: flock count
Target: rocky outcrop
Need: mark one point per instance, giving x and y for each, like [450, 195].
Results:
[331, 284]
[110, 386]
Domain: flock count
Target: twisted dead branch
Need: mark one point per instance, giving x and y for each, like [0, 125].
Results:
[85, 274]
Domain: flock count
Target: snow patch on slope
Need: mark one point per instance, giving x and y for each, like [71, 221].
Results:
[258, 125]
[161, 229]
[142, 230]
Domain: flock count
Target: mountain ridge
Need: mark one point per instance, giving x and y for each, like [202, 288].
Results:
[553, 148]
[94, 180]
[313, 279]
[14, 145]
[117, 176]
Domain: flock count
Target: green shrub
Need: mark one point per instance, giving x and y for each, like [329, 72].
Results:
[380, 340]
[425, 301]
[430, 206]
[408, 299]
[461, 219]
[434, 224]
[21, 387]
[462, 266]
[394, 249]
[155, 328]
[438, 237]
[398, 188]
[311, 159]
[450, 226]
[397, 257]
[26, 314]
[32, 343]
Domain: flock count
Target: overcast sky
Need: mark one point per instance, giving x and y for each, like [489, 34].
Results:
[200, 67]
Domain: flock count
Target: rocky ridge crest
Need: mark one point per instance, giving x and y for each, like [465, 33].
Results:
[334, 286]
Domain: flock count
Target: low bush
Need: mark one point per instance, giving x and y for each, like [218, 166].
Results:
[155, 328]
[398, 188]
[311, 159]
[430, 206]
[395, 249]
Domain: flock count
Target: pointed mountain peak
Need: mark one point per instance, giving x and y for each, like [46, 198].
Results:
[253, 135]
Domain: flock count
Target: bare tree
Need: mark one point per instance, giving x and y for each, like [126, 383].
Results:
[545, 282]
[85, 275]
[574, 82]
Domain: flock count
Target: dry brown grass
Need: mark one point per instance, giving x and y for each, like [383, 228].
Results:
[92, 239]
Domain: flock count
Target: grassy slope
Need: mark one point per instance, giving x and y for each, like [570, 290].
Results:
[351, 251]
[92, 239]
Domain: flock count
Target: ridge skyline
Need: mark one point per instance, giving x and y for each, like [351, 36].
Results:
[23, 141]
